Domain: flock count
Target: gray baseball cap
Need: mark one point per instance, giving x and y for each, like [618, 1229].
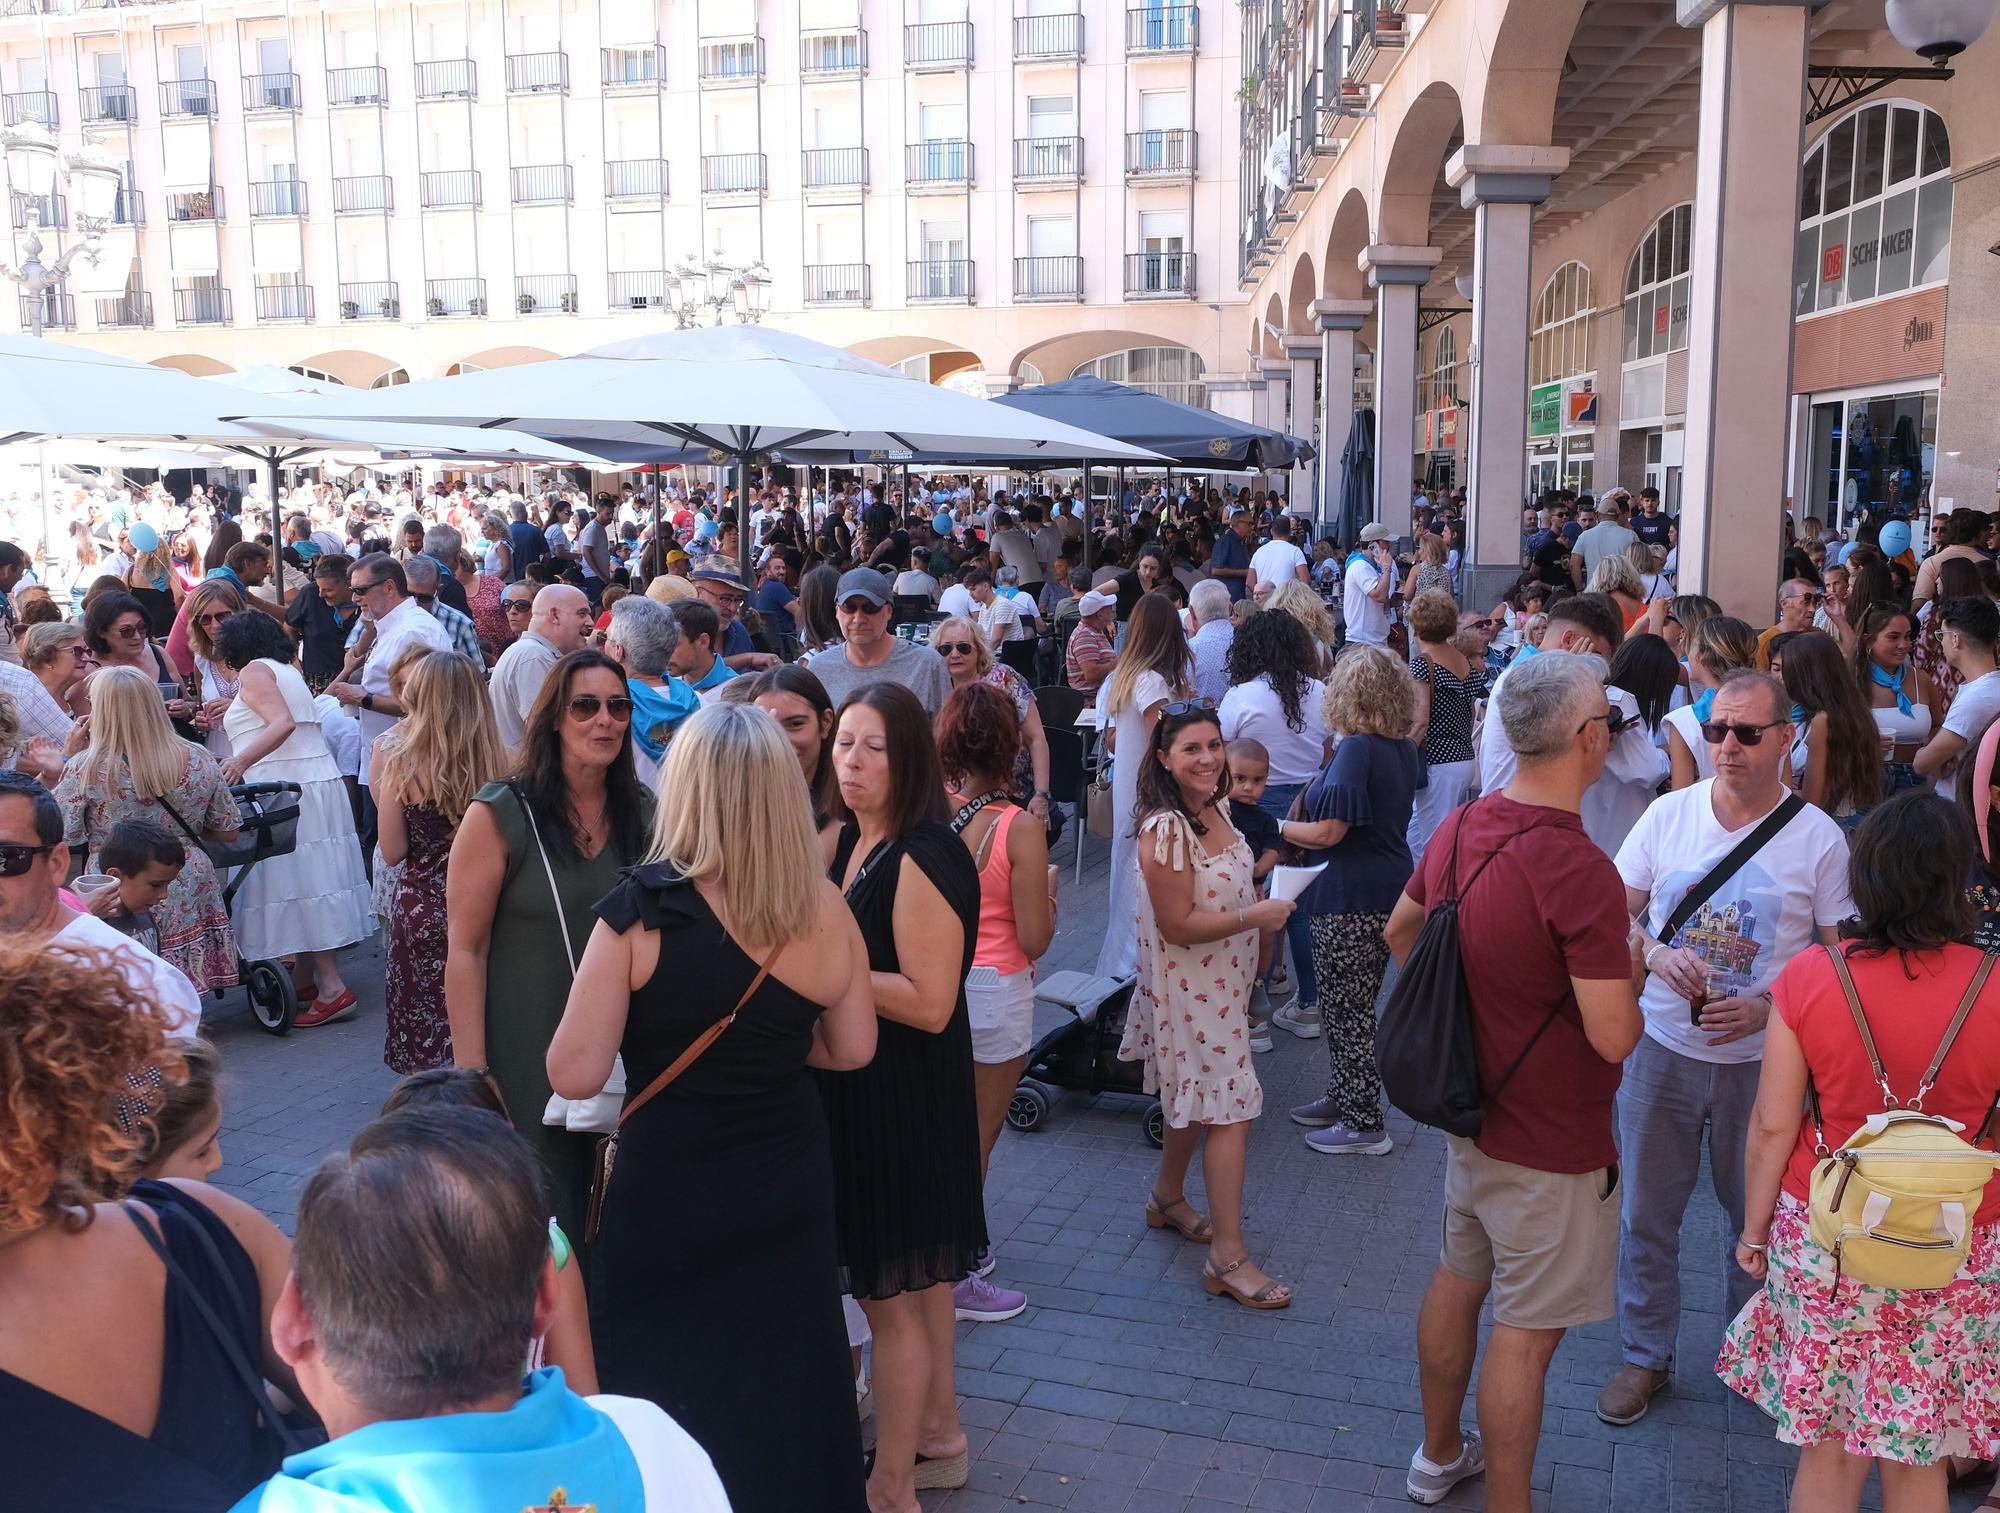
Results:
[862, 582]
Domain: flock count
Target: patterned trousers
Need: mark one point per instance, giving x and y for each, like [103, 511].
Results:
[1349, 959]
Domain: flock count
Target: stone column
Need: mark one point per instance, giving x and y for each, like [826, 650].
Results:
[1501, 186]
[1339, 320]
[1277, 399]
[1746, 199]
[1304, 422]
[1235, 396]
[1397, 275]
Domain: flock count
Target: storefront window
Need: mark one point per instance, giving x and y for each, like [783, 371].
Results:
[1437, 389]
[1656, 287]
[1872, 458]
[1874, 208]
[1564, 342]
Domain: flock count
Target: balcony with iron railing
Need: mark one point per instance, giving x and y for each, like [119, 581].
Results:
[277, 197]
[131, 311]
[284, 302]
[449, 189]
[370, 301]
[1162, 29]
[1378, 30]
[537, 73]
[58, 311]
[364, 194]
[542, 184]
[1166, 154]
[1048, 160]
[836, 283]
[727, 61]
[128, 208]
[1159, 275]
[1047, 37]
[934, 45]
[834, 168]
[841, 53]
[202, 305]
[645, 289]
[733, 173]
[447, 79]
[635, 179]
[367, 85]
[267, 93]
[945, 163]
[1051, 279]
[940, 281]
[37, 105]
[195, 204]
[634, 68]
[545, 294]
[107, 102]
[187, 97]
[449, 298]
[48, 211]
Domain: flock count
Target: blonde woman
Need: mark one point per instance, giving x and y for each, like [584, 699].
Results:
[59, 657]
[498, 561]
[135, 767]
[969, 659]
[732, 886]
[1433, 573]
[207, 607]
[1717, 646]
[1617, 577]
[1302, 602]
[446, 749]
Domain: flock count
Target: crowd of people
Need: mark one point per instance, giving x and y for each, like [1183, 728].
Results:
[710, 911]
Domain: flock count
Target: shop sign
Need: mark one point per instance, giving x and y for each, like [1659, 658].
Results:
[1833, 263]
[1545, 408]
[1580, 407]
[1447, 430]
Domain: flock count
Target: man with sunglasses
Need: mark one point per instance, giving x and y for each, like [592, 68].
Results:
[1798, 602]
[559, 622]
[382, 591]
[869, 653]
[1697, 1068]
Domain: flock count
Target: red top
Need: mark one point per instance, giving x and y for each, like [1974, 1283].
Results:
[1908, 1015]
[1549, 908]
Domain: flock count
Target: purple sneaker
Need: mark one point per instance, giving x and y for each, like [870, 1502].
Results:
[1339, 1140]
[978, 1299]
[987, 1261]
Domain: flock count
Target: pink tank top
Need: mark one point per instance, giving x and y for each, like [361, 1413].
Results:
[999, 943]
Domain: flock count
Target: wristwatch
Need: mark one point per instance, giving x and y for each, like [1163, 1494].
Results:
[368, 702]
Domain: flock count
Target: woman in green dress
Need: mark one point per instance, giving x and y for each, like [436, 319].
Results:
[534, 853]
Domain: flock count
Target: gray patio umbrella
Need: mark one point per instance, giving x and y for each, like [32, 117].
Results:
[1357, 479]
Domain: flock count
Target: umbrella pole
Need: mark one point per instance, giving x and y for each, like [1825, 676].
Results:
[277, 532]
[1086, 515]
[743, 517]
[659, 546]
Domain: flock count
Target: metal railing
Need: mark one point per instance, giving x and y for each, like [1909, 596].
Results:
[1159, 273]
[940, 279]
[49, 211]
[447, 79]
[187, 97]
[643, 290]
[1165, 153]
[1048, 158]
[945, 161]
[284, 302]
[364, 194]
[58, 311]
[634, 67]
[937, 44]
[129, 311]
[202, 306]
[832, 54]
[1162, 28]
[277, 197]
[107, 102]
[542, 184]
[195, 204]
[269, 92]
[29, 105]
[370, 301]
[732, 60]
[128, 208]
[635, 179]
[537, 73]
[450, 297]
[835, 168]
[733, 173]
[367, 85]
[449, 189]
[1048, 278]
[836, 283]
[1059, 36]
[545, 294]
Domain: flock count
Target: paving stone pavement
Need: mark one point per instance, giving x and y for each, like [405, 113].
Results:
[1124, 1388]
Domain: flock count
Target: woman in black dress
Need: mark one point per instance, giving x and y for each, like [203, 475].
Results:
[905, 1134]
[715, 1293]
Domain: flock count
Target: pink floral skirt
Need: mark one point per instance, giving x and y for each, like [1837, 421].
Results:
[1906, 1376]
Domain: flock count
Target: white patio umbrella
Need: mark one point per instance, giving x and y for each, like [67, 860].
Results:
[741, 392]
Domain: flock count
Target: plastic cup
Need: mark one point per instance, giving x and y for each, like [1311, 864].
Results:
[89, 884]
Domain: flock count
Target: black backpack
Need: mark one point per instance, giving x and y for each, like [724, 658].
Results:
[1423, 1039]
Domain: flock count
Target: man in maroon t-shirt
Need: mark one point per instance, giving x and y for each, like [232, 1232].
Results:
[1531, 1204]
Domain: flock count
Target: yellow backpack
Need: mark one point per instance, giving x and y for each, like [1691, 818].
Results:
[1894, 1205]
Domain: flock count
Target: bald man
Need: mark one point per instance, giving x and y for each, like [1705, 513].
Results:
[559, 624]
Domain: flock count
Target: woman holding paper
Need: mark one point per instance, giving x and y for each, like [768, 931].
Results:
[1357, 817]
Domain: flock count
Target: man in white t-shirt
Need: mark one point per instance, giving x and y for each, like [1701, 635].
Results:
[1369, 581]
[1697, 1069]
[1969, 630]
[33, 862]
[1275, 561]
[999, 618]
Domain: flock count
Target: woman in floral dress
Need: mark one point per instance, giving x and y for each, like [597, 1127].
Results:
[444, 752]
[1199, 921]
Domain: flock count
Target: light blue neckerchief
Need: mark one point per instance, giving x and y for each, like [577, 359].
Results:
[1882, 680]
[1704, 706]
[654, 709]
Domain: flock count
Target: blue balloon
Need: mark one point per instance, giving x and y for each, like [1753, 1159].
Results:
[1895, 538]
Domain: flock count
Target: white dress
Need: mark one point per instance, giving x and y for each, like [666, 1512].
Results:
[1119, 955]
[316, 897]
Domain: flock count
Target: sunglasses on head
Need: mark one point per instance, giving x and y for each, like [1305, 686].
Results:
[585, 706]
[1189, 706]
[1716, 731]
[16, 858]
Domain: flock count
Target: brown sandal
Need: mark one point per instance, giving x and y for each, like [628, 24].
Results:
[1157, 1217]
[1212, 1283]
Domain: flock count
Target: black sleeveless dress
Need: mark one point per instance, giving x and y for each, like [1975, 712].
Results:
[905, 1127]
[715, 1293]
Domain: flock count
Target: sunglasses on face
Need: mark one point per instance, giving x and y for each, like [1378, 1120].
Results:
[586, 706]
[523, 605]
[1716, 731]
[1615, 724]
[958, 648]
[213, 617]
[860, 607]
[16, 858]
[128, 632]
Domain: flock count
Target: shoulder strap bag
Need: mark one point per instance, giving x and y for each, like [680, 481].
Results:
[1727, 868]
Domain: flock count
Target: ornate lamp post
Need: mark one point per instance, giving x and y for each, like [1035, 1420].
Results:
[34, 164]
[705, 294]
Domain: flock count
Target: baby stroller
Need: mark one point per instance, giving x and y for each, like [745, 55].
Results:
[1082, 1054]
[269, 826]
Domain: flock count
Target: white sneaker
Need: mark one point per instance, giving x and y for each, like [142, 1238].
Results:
[1260, 1039]
[1300, 1019]
[1430, 1484]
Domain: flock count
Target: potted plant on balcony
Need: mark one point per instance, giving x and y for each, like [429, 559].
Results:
[434, 307]
[524, 304]
[476, 305]
[350, 309]
[569, 303]
[388, 309]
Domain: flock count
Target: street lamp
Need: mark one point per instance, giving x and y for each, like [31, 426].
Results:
[33, 164]
[1939, 29]
[706, 293]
